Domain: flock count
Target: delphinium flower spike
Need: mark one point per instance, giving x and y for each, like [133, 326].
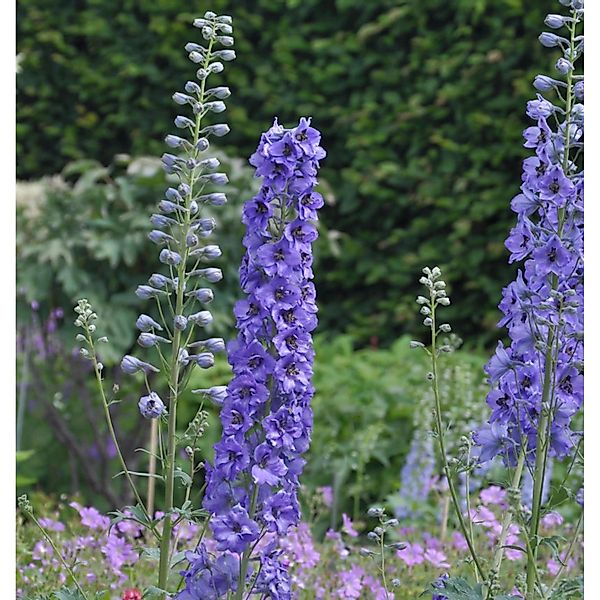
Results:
[266, 416]
[538, 379]
[183, 289]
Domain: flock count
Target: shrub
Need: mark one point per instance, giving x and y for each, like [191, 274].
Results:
[427, 183]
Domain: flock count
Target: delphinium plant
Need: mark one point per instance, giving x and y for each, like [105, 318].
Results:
[180, 292]
[252, 489]
[537, 381]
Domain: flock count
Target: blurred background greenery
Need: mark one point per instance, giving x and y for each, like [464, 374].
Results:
[421, 105]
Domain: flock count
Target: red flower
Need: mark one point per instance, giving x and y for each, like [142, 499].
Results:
[132, 594]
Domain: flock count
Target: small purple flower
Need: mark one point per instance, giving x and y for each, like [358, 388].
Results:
[234, 530]
[151, 406]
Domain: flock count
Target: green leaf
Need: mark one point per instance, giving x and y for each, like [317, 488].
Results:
[68, 594]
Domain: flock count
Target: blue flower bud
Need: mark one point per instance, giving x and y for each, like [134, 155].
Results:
[543, 83]
[551, 40]
[174, 141]
[215, 199]
[180, 322]
[131, 365]
[193, 207]
[173, 195]
[169, 207]
[217, 107]
[225, 55]
[217, 393]
[182, 99]
[160, 237]
[168, 257]
[191, 240]
[215, 178]
[183, 122]
[211, 274]
[184, 189]
[209, 252]
[201, 318]
[209, 163]
[159, 281]
[226, 41]
[196, 57]
[202, 74]
[224, 19]
[216, 67]
[192, 47]
[220, 129]
[203, 295]
[145, 292]
[162, 221]
[578, 89]
[555, 21]
[563, 66]
[199, 23]
[221, 92]
[212, 345]
[170, 163]
[209, 14]
[151, 406]
[146, 323]
[205, 360]
[202, 145]
[191, 87]
[147, 340]
[206, 224]
[183, 357]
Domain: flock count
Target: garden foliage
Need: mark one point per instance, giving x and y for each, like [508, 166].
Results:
[416, 100]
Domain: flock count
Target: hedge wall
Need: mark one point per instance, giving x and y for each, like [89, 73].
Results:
[420, 102]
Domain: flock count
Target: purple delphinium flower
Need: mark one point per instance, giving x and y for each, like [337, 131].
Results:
[537, 379]
[252, 486]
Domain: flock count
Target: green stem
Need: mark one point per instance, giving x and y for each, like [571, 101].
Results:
[382, 550]
[506, 521]
[442, 444]
[111, 428]
[565, 561]
[165, 546]
[246, 556]
[60, 556]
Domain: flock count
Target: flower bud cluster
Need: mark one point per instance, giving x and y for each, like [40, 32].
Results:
[179, 228]
[252, 487]
[540, 372]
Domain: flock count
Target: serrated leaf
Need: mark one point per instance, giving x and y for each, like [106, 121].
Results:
[68, 594]
[153, 553]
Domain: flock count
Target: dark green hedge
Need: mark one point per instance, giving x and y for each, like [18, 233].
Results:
[420, 102]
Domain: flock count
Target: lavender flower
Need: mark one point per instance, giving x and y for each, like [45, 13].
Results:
[266, 416]
[151, 406]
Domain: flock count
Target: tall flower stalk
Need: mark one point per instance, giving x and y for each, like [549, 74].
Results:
[182, 288]
[436, 298]
[182, 231]
[252, 489]
[538, 379]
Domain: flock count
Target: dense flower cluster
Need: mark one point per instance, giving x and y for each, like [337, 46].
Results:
[537, 380]
[180, 230]
[266, 415]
